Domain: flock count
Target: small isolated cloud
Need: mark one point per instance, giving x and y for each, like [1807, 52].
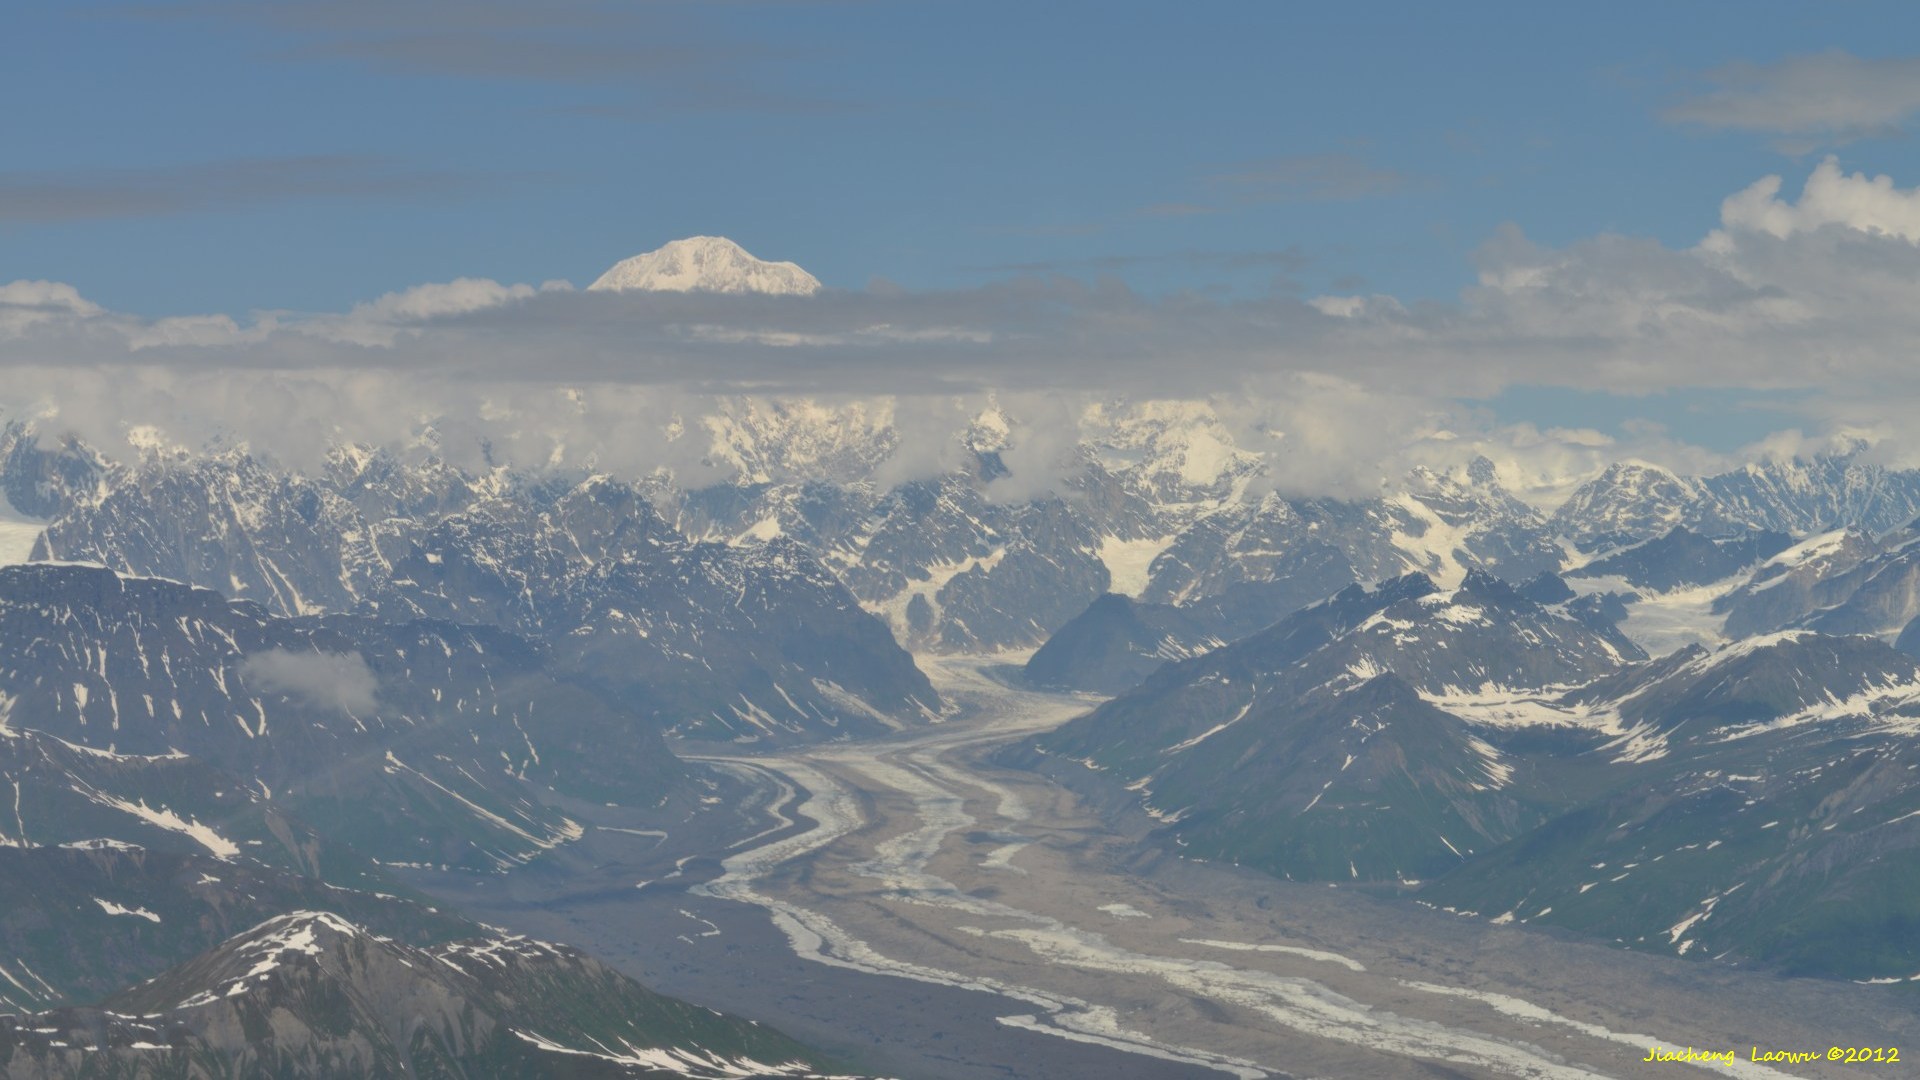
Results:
[327, 680]
[95, 194]
[381, 322]
[1832, 95]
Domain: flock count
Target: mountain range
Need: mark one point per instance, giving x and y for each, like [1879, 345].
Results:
[1675, 713]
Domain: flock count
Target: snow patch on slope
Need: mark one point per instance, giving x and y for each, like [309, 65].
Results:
[18, 533]
[1129, 562]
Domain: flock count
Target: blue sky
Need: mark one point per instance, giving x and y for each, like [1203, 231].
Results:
[307, 156]
[1247, 146]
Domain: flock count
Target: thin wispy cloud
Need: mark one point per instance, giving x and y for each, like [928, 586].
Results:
[716, 100]
[559, 40]
[664, 51]
[1328, 177]
[1177, 210]
[93, 194]
[1282, 259]
[1831, 97]
[1339, 176]
[1810, 292]
[1051, 229]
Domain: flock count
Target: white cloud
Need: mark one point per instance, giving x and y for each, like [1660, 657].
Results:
[1830, 197]
[195, 330]
[329, 680]
[380, 323]
[24, 304]
[1819, 294]
[1348, 307]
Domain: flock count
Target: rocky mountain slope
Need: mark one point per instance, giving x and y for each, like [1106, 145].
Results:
[757, 642]
[415, 741]
[183, 766]
[1115, 644]
[1314, 748]
[1393, 688]
[82, 920]
[1756, 801]
[1680, 557]
[1766, 809]
[312, 994]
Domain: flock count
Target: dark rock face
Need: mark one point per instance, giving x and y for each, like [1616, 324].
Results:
[92, 917]
[1817, 573]
[967, 573]
[1363, 782]
[1311, 748]
[1837, 583]
[1682, 557]
[1116, 643]
[181, 743]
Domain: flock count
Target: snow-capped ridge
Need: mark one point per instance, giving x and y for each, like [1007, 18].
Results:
[707, 264]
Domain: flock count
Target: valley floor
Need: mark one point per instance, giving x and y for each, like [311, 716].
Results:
[933, 915]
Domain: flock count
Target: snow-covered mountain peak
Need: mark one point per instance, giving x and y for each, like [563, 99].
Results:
[1181, 448]
[1628, 499]
[712, 264]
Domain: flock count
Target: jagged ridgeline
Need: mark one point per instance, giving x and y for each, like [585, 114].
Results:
[758, 642]
[1311, 748]
[313, 994]
[89, 918]
[1155, 503]
[1440, 690]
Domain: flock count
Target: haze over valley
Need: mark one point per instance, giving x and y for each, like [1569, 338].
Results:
[735, 541]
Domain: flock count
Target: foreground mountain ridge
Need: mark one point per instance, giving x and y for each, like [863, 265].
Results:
[311, 994]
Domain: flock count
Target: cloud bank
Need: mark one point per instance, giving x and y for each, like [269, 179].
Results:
[1814, 292]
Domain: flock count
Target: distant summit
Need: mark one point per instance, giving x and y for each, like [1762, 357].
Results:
[706, 264]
